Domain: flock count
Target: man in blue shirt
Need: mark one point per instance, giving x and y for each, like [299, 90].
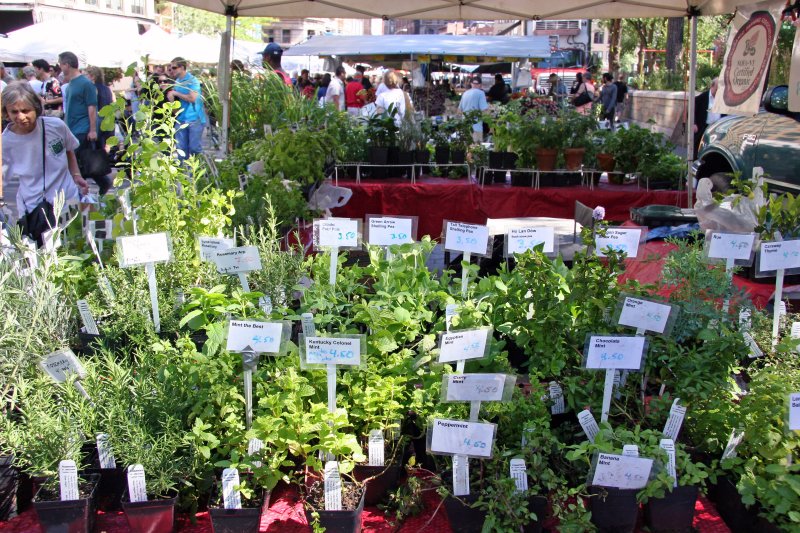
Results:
[474, 99]
[192, 116]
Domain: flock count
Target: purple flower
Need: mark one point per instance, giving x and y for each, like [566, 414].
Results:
[599, 213]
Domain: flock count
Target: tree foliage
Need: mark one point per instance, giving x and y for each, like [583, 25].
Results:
[190, 20]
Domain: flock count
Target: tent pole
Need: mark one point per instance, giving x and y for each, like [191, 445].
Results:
[690, 155]
[225, 72]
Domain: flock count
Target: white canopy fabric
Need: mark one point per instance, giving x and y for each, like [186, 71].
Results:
[407, 45]
[466, 9]
[161, 47]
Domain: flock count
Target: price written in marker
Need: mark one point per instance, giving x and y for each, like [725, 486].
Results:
[624, 353]
[644, 314]
[464, 344]
[209, 246]
[236, 260]
[333, 351]
[621, 472]
[468, 238]
[475, 387]
[335, 233]
[143, 249]
[458, 437]
[261, 337]
[386, 231]
[620, 240]
[781, 255]
[736, 246]
[520, 240]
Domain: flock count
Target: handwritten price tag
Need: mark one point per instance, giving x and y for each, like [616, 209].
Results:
[235, 260]
[794, 411]
[620, 240]
[60, 364]
[333, 351]
[335, 233]
[621, 471]
[385, 231]
[261, 337]
[782, 255]
[624, 353]
[471, 238]
[466, 344]
[731, 246]
[520, 240]
[457, 437]
[209, 246]
[474, 387]
[143, 249]
[644, 314]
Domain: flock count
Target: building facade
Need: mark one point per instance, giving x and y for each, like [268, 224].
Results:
[17, 14]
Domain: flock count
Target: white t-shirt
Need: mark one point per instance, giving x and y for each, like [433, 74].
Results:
[382, 88]
[36, 85]
[396, 97]
[22, 157]
[336, 88]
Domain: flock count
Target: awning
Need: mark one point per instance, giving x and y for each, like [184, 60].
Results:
[445, 47]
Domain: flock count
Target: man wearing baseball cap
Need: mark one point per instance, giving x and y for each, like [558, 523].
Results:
[474, 99]
[272, 55]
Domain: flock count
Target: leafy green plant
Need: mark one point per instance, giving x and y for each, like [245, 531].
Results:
[381, 129]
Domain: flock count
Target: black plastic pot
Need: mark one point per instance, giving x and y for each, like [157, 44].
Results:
[73, 516]
[547, 180]
[152, 516]
[538, 505]
[378, 155]
[738, 517]
[458, 156]
[111, 486]
[8, 489]
[245, 520]
[88, 342]
[382, 479]
[496, 160]
[613, 510]
[461, 516]
[442, 155]
[672, 513]
[522, 179]
[405, 158]
[393, 156]
[340, 521]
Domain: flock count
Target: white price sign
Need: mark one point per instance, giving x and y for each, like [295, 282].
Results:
[333, 351]
[731, 246]
[385, 231]
[335, 233]
[62, 363]
[211, 245]
[624, 353]
[475, 387]
[621, 471]
[261, 337]
[520, 240]
[620, 240]
[236, 260]
[468, 238]
[143, 249]
[782, 255]
[644, 314]
[458, 437]
[794, 411]
[465, 344]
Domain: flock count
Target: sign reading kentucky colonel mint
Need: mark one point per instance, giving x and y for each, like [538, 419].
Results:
[747, 58]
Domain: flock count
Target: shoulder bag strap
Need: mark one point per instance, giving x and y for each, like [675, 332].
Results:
[44, 168]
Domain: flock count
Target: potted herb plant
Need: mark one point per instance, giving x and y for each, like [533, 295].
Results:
[578, 140]
[502, 157]
[239, 509]
[381, 134]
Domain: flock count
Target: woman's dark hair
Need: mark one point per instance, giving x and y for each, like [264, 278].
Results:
[578, 78]
[326, 80]
[21, 91]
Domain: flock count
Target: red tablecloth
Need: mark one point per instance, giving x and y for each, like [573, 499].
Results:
[434, 200]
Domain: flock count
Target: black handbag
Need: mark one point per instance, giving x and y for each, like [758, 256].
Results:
[41, 218]
[583, 98]
[93, 161]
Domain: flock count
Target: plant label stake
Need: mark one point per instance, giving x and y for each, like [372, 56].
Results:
[449, 313]
[778, 256]
[460, 475]
[333, 487]
[238, 261]
[230, 496]
[249, 364]
[104, 454]
[68, 481]
[333, 234]
[137, 488]
[468, 239]
[209, 246]
[621, 471]
[733, 442]
[146, 250]
[589, 424]
[60, 364]
[613, 353]
[729, 247]
[675, 420]
[519, 473]
[376, 448]
[620, 240]
[307, 323]
[86, 316]
[253, 447]
[557, 396]
[668, 445]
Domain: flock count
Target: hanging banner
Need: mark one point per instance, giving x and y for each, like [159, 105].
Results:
[794, 72]
[750, 44]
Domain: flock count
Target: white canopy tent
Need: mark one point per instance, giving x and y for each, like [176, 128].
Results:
[476, 10]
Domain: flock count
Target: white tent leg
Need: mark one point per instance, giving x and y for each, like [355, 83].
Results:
[690, 155]
[225, 76]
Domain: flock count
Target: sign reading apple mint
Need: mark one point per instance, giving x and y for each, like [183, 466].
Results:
[209, 246]
[336, 233]
[389, 230]
[464, 344]
[520, 240]
[261, 337]
[459, 437]
[466, 238]
[615, 352]
[621, 471]
[620, 240]
[780, 255]
[645, 315]
[477, 387]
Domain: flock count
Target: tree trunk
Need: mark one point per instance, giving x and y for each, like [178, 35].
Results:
[615, 43]
[674, 43]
